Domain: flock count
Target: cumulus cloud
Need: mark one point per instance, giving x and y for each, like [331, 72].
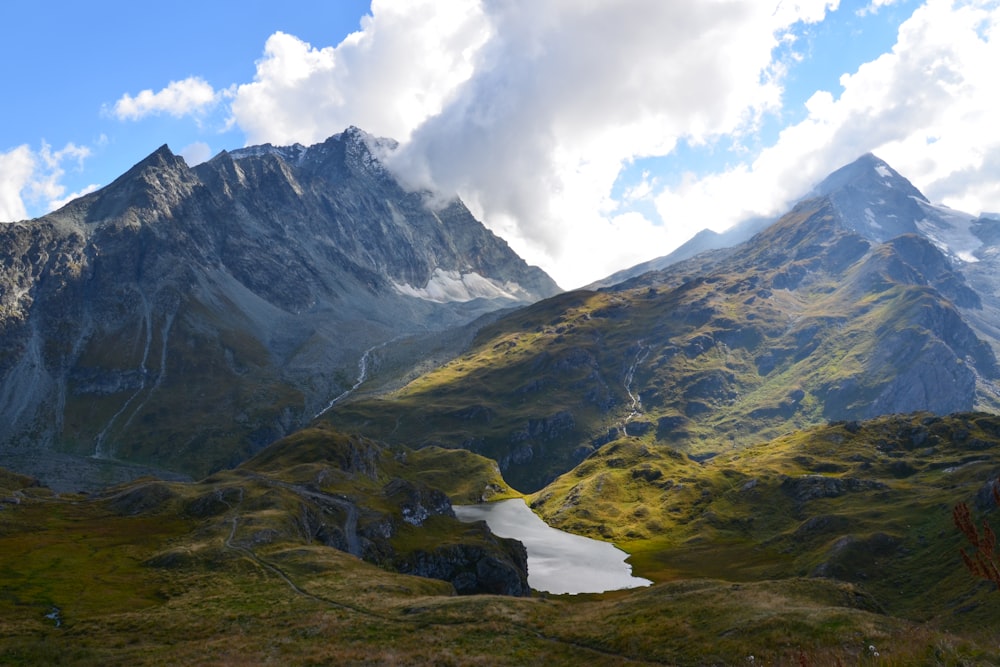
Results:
[531, 110]
[16, 168]
[180, 98]
[28, 176]
[565, 93]
[387, 78]
[928, 107]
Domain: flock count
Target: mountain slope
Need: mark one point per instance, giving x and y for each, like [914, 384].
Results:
[833, 545]
[186, 317]
[808, 321]
[863, 502]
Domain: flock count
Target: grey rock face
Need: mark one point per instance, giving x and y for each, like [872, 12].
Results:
[501, 568]
[186, 317]
[873, 199]
[811, 487]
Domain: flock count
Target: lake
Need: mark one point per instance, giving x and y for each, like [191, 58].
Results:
[558, 562]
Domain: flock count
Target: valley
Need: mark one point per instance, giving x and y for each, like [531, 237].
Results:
[779, 552]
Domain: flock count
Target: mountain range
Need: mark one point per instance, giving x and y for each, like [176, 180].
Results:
[774, 422]
[853, 305]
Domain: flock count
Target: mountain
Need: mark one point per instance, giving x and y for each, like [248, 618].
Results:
[872, 199]
[183, 318]
[710, 417]
[823, 316]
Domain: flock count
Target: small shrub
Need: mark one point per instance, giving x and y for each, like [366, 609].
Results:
[982, 562]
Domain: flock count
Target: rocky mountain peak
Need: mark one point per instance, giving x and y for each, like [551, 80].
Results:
[241, 293]
[147, 192]
[161, 158]
[868, 174]
[873, 199]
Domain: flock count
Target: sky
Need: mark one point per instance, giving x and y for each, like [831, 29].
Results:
[590, 134]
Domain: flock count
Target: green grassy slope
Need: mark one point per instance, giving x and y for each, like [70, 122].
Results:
[227, 571]
[868, 503]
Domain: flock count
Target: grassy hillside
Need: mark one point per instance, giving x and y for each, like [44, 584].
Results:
[868, 503]
[831, 546]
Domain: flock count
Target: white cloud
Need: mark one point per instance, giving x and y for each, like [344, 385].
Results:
[387, 78]
[28, 177]
[928, 107]
[529, 111]
[16, 168]
[45, 183]
[180, 98]
[873, 7]
[196, 153]
[62, 201]
[565, 93]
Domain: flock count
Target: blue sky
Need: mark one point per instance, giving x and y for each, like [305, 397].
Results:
[591, 136]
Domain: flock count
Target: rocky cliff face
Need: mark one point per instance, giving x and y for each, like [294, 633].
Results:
[186, 317]
[498, 568]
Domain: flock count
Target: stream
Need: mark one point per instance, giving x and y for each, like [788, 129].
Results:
[636, 406]
[558, 562]
[362, 376]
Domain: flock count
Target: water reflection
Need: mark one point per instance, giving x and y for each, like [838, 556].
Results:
[558, 562]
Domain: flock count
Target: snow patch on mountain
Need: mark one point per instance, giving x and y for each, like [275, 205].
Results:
[883, 171]
[872, 221]
[950, 230]
[454, 286]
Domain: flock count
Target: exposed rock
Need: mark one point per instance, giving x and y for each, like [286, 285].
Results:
[215, 502]
[142, 498]
[552, 427]
[417, 503]
[647, 473]
[500, 567]
[667, 427]
[986, 497]
[638, 427]
[824, 315]
[811, 487]
[853, 558]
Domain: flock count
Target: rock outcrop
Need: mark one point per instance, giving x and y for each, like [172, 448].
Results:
[496, 565]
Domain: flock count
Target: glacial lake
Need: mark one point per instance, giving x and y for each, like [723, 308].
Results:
[558, 562]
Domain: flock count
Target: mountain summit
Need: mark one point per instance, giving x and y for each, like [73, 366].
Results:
[873, 199]
[185, 317]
